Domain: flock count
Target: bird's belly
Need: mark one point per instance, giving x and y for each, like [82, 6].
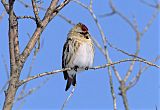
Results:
[84, 56]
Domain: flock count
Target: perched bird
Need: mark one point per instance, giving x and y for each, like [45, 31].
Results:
[78, 53]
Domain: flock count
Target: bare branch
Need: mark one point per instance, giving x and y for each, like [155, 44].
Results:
[112, 88]
[41, 75]
[98, 45]
[26, 17]
[148, 4]
[14, 55]
[81, 4]
[150, 22]
[21, 105]
[6, 6]
[107, 14]
[32, 90]
[68, 98]
[17, 61]
[66, 19]
[44, 9]
[29, 5]
[124, 52]
[94, 68]
[114, 9]
[2, 15]
[90, 4]
[123, 94]
[138, 36]
[4, 87]
[136, 54]
[134, 81]
[51, 12]
[21, 94]
[23, 3]
[135, 28]
[35, 10]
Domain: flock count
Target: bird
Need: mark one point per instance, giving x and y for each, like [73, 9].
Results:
[78, 53]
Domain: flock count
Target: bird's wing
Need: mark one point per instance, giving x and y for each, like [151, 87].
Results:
[69, 52]
[67, 55]
[64, 56]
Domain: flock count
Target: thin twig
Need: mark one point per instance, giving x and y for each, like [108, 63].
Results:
[35, 10]
[68, 98]
[6, 5]
[2, 15]
[66, 19]
[21, 105]
[21, 94]
[150, 22]
[94, 68]
[107, 14]
[134, 80]
[26, 17]
[2, 90]
[49, 15]
[32, 90]
[115, 10]
[148, 4]
[44, 9]
[136, 54]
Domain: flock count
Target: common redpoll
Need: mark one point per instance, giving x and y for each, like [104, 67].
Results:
[78, 53]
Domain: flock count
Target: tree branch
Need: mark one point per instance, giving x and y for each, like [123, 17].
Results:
[14, 53]
[6, 5]
[2, 15]
[35, 10]
[148, 4]
[135, 79]
[94, 68]
[26, 17]
[69, 97]
[50, 14]
[123, 94]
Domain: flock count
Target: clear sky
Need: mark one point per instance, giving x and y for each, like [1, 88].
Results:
[93, 90]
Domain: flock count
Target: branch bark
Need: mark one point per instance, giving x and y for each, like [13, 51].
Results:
[123, 94]
[50, 14]
[13, 50]
[94, 68]
[17, 60]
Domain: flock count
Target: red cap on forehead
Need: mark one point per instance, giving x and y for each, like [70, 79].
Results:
[84, 28]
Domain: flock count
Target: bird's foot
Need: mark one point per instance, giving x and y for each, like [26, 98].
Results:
[86, 68]
[75, 68]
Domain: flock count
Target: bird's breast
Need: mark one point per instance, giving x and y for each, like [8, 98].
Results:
[84, 55]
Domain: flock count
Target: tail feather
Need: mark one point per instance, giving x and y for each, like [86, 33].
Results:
[70, 81]
[74, 80]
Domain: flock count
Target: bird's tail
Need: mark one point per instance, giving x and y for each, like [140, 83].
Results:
[70, 81]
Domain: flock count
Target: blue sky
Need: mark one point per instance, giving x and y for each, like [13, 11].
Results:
[93, 90]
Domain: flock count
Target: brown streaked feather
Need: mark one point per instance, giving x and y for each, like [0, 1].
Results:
[66, 46]
[67, 55]
[69, 82]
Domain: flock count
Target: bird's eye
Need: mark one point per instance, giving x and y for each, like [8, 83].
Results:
[86, 37]
[83, 33]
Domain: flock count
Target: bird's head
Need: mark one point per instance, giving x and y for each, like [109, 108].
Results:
[80, 28]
